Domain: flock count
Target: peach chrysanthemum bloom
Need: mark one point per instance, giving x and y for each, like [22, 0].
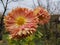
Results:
[20, 23]
[42, 14]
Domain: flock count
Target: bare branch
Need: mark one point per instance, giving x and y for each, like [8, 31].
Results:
[2, 23]
[6, 4]
[48, 5]
[3, 3]
[38, 2]
[34, 4]
[10, 1]
[14, 0]
[5, 8]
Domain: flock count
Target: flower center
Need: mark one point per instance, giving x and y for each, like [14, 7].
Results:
[40, 17]
[20, 20]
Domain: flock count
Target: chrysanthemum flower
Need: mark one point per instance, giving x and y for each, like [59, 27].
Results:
[42, 14]
[20, 23]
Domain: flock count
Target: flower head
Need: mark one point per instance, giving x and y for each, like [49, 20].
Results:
[42, 14]
[20, 22]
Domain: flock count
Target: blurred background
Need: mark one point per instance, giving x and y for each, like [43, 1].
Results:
[51, 31]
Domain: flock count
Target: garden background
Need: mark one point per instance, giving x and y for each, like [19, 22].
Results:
[48, 34]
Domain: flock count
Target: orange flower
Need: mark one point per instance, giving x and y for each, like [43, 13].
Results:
[42, 14]
[20, 23]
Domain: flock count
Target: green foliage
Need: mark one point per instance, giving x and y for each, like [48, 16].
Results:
[30, 40]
